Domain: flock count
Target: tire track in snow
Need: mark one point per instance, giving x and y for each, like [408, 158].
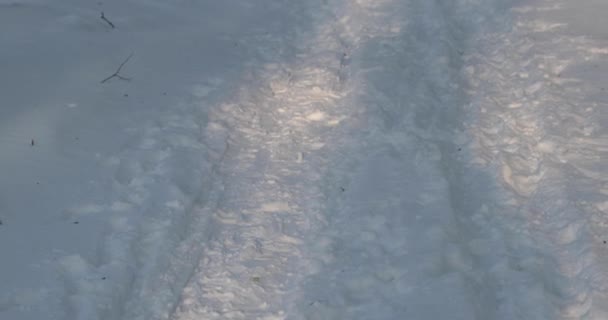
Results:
[397, 244]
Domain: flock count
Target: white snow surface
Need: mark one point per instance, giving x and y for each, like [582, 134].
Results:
[321, 159]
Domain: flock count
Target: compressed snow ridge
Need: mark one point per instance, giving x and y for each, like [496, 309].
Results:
[538, 96]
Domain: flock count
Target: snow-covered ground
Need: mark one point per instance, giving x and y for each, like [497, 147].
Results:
[322, 159]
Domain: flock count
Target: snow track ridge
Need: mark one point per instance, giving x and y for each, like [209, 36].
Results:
[538, 126]
[255, 259]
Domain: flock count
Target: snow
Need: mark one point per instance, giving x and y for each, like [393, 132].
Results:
[326, 159]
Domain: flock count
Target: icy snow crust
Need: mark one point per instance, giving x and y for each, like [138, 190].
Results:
[323, 159]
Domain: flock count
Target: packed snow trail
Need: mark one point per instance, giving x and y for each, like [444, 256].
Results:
[322, 129]
[327, 159]
[336, 200]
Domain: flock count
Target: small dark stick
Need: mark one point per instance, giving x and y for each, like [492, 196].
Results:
[116, 74]
[32, 143]
[103, 17]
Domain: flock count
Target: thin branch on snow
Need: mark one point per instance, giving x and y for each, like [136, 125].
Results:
[117, 73]
[103, 17]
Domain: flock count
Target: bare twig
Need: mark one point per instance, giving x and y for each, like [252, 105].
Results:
[117, 73]
[103, 17]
